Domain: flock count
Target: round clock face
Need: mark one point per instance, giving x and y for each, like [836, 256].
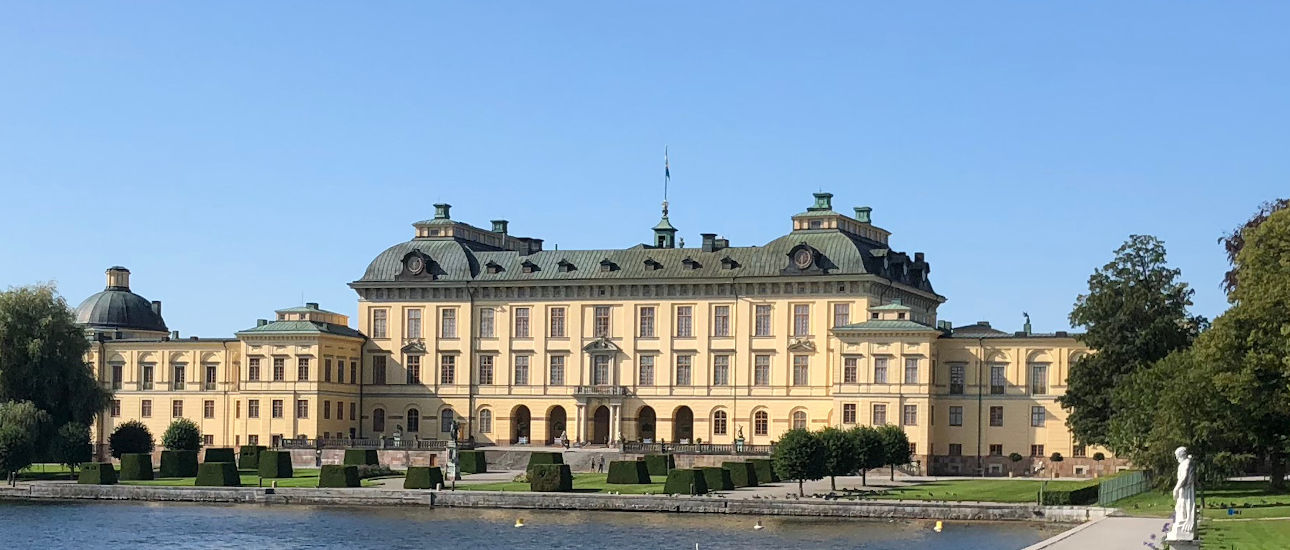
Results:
[416, 265]
[802, 258]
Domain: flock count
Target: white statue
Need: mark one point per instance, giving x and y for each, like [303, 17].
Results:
[1184, 526]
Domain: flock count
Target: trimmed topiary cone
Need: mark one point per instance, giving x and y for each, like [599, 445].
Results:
[248, 457]
[660, 464]
[178, 463]
[218, 474]
[361, 457]
[275, 464]
[136, 467]
[471, 462]
[628, 472]
[688, 481]
[97, 473]
[743, 474]
[423, 477]
[335, 476]
[550, 478]
[717, 478]
[220, 454]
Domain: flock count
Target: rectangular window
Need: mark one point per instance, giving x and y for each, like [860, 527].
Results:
[252, 370]
[684, 321]
[1038, 379]
[414, 369]
[116, 376]
[485, 369]
[879, 370]
[486, 322]
[557, 322]
[302, 408]
[378, 369]
[761, 370]
[849, 370]
[340, 371]
[340, 410]
[279, 369]
[1037, 451]
[841, 315]
[116, 408]
[647, 322]
[414, 323]
[208, 408]
[910, 416]
[379, 322]
[911, 370]
[801, 367]
[721, 321]
[277, 408]
[879, 414]
[849, 413]
[683, 370]
[353, 413]
[521, 322]
[996, 416]
[145, 408]
[208, 440]
[327, 370]
[177, 382]
[353, 372]
[998, 379]
[1037, 416]
[252, 408]
[326, 410]
[176, 408]
[521, 370]
[802, 320]
[761, 316]
[721, 370]
[448, 323]
[956, 378]
[996, 449]
[252, 440]
[148, 369]
[447, 369]
[956, 415]
[956, 449]
[557, 370]
[302, 369]
[1079, 451]
[601, 327]
[646, 375]
[600, 370]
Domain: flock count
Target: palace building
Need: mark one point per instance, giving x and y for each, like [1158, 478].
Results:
[827, 325]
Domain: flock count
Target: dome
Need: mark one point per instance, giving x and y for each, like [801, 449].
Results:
[116, 308]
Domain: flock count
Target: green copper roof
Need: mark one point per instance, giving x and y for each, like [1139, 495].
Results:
[664, 224]
[304, 309]
[886, 325]
[303, 327]
[891, 307]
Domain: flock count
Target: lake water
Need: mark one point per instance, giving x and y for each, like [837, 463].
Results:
[144, 525]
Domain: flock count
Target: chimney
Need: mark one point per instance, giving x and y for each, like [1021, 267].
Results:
[156, 307]
[864, 214]
[823, 201]
[918, 257]
[709, 241]
[261, 322]
[945, 326]
[441, 211]
[985, 324]
[499, 226]
[722, 243]
[311, 305]
[118, 278]
[174, 335]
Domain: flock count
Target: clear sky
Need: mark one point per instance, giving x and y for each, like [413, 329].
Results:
[237, 156]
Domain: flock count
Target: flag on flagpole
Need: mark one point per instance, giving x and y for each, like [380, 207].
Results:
[667, 170]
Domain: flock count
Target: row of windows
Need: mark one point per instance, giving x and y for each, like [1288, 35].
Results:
[850, 370]
[909, 415]
[998, 378]
[600, 370]
[413, 420]
[1038, 416]
[332, 371]
[176, 408]
[996, 449]
[178, 376]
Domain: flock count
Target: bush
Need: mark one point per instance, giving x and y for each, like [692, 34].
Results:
[333, 475]
[659, 464]
[221, 454]
[1056, 457]
[541, 458]
[71, 445]
[423, 477]
[361, 457]
[765, 470]
[1099, 457]
[1015, 457]
[136, 467]
[630, 472]
[685, 482]
[743, 474]
[369, 471]
[97, 473]
[717, 479]
[218, 474]
[178, 463]
[182, 435]
[248, 457]
[275, 464]
[471, 462]
[550, 478]
[1078, 497]
[131, 437]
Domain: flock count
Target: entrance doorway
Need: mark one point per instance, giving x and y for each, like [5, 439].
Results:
[683, 425]
[555, 423]
[600, 426]
[645, 424]
[520, 418]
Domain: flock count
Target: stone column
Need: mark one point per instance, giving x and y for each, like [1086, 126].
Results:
[613, 424]
[580, 413]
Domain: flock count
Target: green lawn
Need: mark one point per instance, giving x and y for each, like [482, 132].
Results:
[582, 483]
[1273, 534]
[40, 472]
[984, 490]
[1250, 499]
[304, 477]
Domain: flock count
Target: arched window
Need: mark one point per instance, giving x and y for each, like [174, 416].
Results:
[761, 423]
[485, 421]
[445, 421]
[719, 423]
[378, 420]
[799, 420]
[414, 420]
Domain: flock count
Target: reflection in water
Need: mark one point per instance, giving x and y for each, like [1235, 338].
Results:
[101, 525]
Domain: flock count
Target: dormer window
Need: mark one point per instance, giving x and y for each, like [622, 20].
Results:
[528, 267]
[566, 266]
[651, 263]
[493, 267]
[728, 263]
[607, 266]
[900, 315]
[690, 263]
[817, 224]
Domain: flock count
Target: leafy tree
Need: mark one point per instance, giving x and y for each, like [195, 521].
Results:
[799, 455]
[130, 437]
[182, 435]
[22, 426]
[869, 453]
[1135, 313]
[1056, 457]
[895, 447]
[42, 357]
[841, 454]
[1235, 241]
[71, 445]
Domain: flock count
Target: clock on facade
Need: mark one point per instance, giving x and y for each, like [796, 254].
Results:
[803, 258]
[415, 265]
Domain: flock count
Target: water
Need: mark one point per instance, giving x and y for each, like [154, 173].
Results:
[179, 526]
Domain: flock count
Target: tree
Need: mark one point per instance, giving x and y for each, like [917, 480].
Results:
[71, 445]
[22, 427]
[869, 453]
[182, 435]
[799, 455]
[130, 437]
[42, 357]
[841, 454]
[1234, 242]
[895, 447]
[1134, 314]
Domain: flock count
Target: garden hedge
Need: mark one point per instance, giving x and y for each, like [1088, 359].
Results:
[765, 472]
[178, 464]
[361, 457]
[97, 473]
[275, 464]
[717, 478]
[541, 458]
[335, 475]
[1078, 497]
[248, 457]
[471, 462]
[550, 478]
[423, 477]
[687, 481]
[136, 467]
[218, 474]
[221, 454]
[631, 472]
[659, 464]
[743, 474]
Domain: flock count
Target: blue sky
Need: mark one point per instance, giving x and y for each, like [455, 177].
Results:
[237, 156]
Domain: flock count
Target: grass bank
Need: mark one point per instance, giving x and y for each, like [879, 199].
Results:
[582, 483]
[979, 490]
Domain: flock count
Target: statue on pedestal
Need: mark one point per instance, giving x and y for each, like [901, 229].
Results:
[1184, 525]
